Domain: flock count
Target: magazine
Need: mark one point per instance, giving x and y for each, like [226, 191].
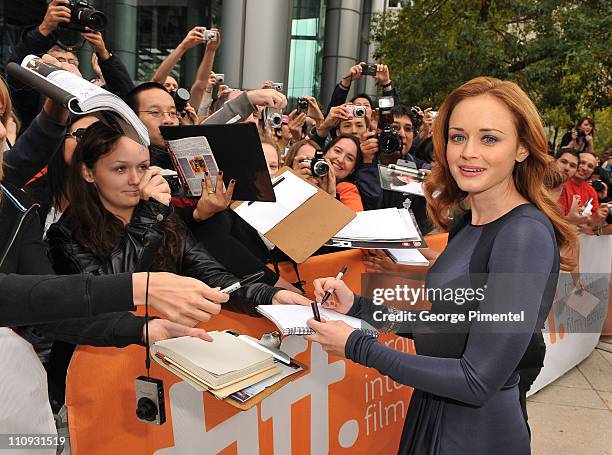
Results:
[192, 159]
[79, 96]
[400, 179]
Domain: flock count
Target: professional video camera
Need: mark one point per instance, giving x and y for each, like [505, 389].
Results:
[389, 140]
[83, 15]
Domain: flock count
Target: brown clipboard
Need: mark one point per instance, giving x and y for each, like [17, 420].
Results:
[309, 226]
[255, 400]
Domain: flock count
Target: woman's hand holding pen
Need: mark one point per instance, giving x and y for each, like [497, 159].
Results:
[342, 298]
[332, 335]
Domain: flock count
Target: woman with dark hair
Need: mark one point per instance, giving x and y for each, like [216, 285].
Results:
[342, 155]
[32, 295]
[490, 146]
[581, 137]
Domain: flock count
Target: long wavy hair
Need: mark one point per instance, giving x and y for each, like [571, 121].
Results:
[93, 226]
[528, 175]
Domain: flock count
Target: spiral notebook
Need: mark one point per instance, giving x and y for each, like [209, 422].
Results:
[291, 319]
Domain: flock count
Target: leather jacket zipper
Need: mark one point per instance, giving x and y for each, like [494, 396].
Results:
[16, 232]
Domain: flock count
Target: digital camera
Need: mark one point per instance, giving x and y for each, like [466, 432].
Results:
[368, 69]
[355, 111]
[278, 86]
[273, 117]
[220, 78]
[150, 406]
[83, 15]
[318, 165]
[389, 140]
[580, 133]
[210, 35]
[173, 181]
[302, 105]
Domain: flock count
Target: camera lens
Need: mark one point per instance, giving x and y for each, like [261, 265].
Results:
[359, 111]
[146, 409]
[91, 18]
[320, 168]
[275, 120]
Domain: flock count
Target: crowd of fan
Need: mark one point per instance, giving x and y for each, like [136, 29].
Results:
[105, 208]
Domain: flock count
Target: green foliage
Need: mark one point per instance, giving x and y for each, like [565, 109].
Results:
[557, 50]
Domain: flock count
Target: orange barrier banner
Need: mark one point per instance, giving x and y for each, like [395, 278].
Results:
[336, 407]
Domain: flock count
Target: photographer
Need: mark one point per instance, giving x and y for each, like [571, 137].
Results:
[355, 73]
[342, 157]
[44, 39]
[196, 36]
[581, 137]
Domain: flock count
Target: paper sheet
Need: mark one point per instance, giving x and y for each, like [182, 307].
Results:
[407, 256]
[583, 303]
[290, 193]
[383, 224]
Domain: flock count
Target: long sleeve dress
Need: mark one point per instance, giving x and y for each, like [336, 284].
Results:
[466, 398]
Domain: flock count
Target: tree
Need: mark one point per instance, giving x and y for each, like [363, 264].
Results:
[556, 50]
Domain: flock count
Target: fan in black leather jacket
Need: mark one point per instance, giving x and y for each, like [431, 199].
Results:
[136, 249]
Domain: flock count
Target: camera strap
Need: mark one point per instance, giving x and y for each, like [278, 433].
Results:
[148, 354]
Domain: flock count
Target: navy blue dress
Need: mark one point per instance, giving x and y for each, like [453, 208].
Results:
[466, 397]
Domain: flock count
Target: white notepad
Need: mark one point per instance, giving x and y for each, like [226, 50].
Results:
[384, 224]
[291, 319]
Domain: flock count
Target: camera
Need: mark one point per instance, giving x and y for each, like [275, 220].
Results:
[273, 117]
[210, 35]
[368, 69]
[150, 406]
[598, 185]
[355, 111]
[278, 86]
[173, 181]
[302, 105]
[318, 165]
[580, 133]
[220, 78]
[83, 15]
[181, 97]
[389, 140]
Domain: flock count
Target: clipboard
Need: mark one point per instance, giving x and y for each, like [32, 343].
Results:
[309, 226]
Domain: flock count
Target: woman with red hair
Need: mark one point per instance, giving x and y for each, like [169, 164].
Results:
[490, 146]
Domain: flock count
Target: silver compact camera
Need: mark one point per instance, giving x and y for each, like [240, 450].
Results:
[278, 86]
[210, 35]
[356, 111]
[273, 117]
[150, 406]
[220, 78]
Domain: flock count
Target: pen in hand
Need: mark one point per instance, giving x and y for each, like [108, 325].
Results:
[244, 281]
[330, 291]
[315, 311]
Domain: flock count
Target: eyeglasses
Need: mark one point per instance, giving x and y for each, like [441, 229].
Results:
[72, 61]
[159, 114]
[77, 134]
[407, 128]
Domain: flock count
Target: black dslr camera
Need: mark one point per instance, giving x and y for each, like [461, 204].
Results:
[580, 133]
[83, 15]
[181, 97]
[389, 140]
[318, 165]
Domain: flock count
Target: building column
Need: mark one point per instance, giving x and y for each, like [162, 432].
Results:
[342, 43]
[366, 54]
[123, 29]
[256, 41]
